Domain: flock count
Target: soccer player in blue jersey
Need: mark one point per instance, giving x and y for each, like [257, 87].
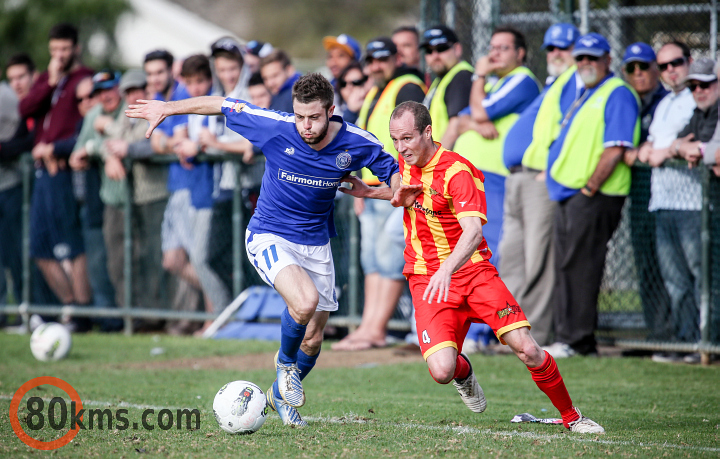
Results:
[288, 237]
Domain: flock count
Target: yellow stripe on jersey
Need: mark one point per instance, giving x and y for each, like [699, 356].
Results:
[471, 213]
[450, 173]
[433, 223]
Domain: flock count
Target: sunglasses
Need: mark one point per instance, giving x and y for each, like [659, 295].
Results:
[704, 85]
[630, 67]
[356, 83]
[84, 98]
[680, 61]
[439, 48]
[551, 48]
[582, 57]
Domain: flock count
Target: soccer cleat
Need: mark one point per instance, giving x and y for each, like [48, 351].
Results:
[585, 425]
[289, 415]
[470, 391]
[289, 383]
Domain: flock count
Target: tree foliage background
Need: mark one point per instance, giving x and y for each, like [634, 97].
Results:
[24, 27]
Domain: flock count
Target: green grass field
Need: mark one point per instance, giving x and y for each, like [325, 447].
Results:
[648, 409]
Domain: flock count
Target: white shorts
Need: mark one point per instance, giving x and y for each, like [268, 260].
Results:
[269, 254]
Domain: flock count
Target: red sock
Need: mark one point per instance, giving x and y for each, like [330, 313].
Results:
[548, 379]
[462, 370]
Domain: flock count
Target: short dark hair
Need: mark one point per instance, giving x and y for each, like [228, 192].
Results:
[420, 114]
[312, 87]
[683, 47]
[21, 59]
[160, 55]
[196, 65]
[64, 31]
[518, 37]
[276, 55]
[411, 29]
[229, 56]
[255, 79]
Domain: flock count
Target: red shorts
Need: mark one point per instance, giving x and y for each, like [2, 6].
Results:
[475, 296]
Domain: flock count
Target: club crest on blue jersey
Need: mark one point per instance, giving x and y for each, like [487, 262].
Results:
[343, 160]
[290, 150]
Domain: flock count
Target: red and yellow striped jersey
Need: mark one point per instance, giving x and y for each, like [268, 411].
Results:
[452, 189]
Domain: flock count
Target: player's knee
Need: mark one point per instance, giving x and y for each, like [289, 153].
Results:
[442, 371]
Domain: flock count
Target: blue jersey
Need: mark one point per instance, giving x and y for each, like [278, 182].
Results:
[513, 96]
[520, 135]
[621, 113]
[178, 177]
[299, 185]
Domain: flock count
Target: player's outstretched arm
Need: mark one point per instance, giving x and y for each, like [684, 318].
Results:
[155, 111]
[361, 190]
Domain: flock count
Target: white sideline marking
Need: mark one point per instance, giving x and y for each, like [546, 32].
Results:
[352, 418]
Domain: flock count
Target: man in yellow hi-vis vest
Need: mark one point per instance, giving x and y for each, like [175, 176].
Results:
[381, 229]
[527, 264]
[450, 91]
[502, 88]
[588, 179]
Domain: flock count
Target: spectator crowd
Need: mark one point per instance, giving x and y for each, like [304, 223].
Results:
[557, 158]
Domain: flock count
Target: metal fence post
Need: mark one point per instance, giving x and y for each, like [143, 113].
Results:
[27, 168]
[237, 222]
[584, 13]
[127, 247]
[705, 266]
[713, 29]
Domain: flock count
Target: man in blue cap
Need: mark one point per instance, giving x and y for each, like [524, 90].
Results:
[597, 121]
[642, 74]
[527, 262]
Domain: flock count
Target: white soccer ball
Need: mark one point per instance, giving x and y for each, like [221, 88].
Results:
[50, 341]
[240, 407]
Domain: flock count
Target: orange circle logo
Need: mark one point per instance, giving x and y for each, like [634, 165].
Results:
[15, 404]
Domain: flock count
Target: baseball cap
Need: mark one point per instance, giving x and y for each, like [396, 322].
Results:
[438, 35]
[702, 69]
[258, 48]
[639, 52]
[380, 47]
[344, 41]
[562, 35]
[133, 78]
[105, 80]
[592, 44]
[228, 44]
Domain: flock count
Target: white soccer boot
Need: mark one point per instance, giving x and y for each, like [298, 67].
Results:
[470, 391]
[585, 425]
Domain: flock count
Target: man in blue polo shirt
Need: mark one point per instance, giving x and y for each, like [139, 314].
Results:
[589, 181]
[526, 244]
[288, 238]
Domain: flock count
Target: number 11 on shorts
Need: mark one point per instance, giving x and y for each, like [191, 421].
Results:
[267, 256]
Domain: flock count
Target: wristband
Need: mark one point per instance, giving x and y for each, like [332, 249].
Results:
[587, 191]
[701, 149]
[477, 76]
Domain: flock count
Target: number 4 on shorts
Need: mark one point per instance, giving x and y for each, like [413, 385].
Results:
[425, 337]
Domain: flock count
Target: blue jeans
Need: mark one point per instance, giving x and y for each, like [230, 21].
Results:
[679, 252]
[11, 242]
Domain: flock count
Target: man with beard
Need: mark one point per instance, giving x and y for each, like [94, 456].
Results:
[598, 121]
[288, 237]
[450, 92]
[526, 243]
[56, 234]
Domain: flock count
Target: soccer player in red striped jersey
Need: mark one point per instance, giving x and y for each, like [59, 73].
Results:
[446, 262]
